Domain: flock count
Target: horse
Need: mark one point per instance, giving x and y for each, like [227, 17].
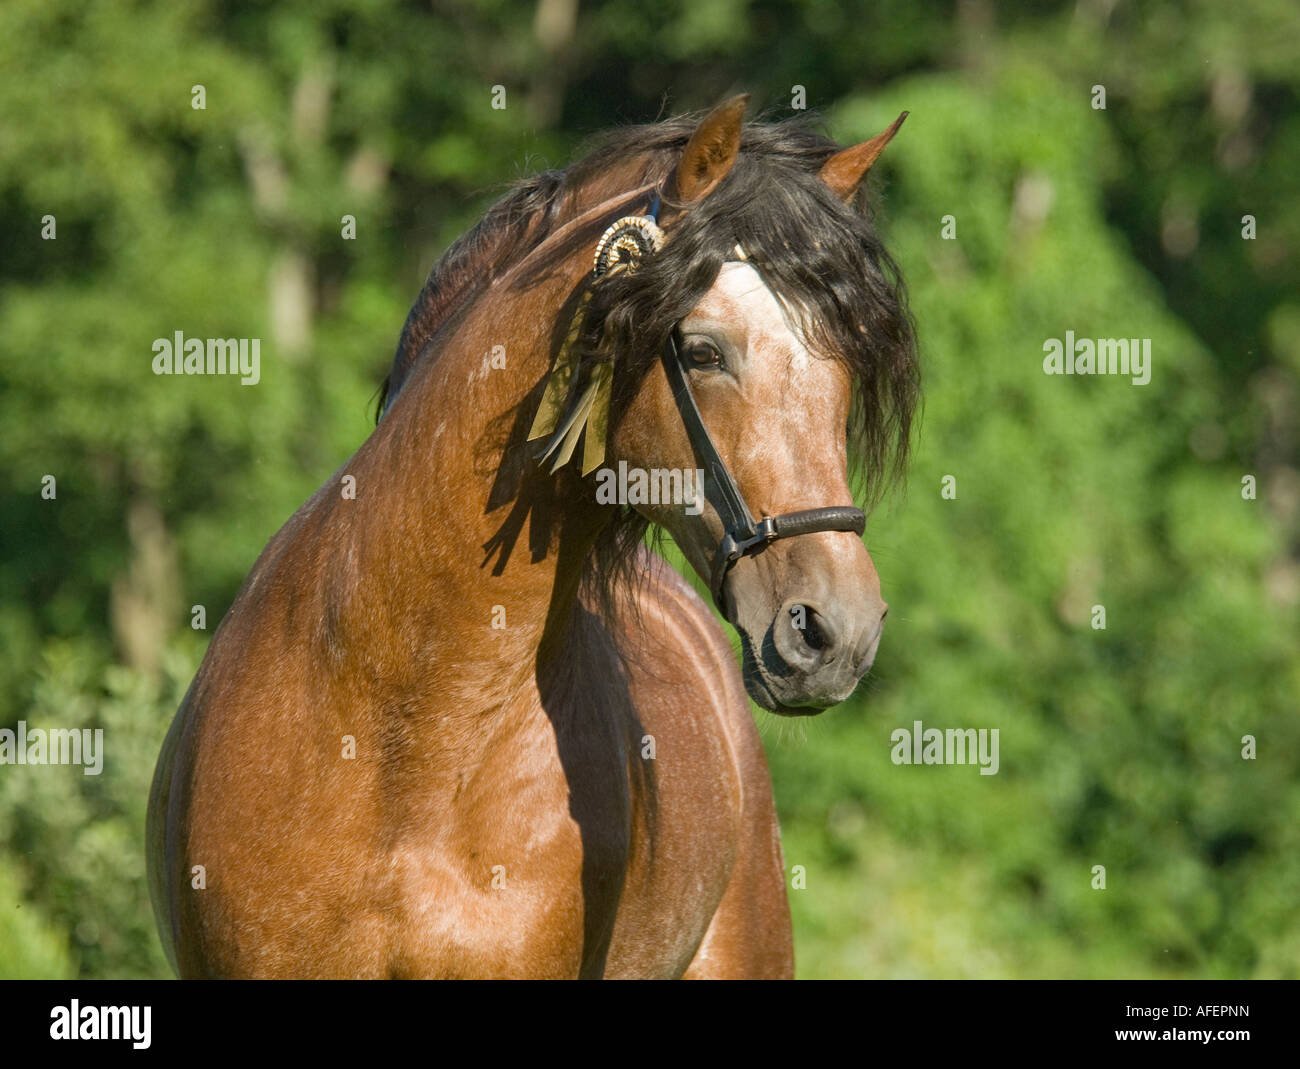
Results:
[462, 720]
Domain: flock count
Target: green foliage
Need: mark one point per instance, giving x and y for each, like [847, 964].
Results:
[76, 840]
[1119, 747]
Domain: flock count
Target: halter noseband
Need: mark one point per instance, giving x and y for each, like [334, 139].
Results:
[742, 535]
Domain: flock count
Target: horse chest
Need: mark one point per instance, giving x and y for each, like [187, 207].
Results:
[563, 856]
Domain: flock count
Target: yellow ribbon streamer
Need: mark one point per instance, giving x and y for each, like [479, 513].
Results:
[593, 447]
[558, 385]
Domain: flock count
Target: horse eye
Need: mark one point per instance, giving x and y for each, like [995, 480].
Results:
[703, 354]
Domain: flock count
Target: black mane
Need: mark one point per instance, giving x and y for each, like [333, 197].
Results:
[821, 257]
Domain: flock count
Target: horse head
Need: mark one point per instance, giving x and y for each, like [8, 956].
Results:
[751, 327]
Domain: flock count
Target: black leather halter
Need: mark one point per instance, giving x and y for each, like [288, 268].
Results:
[742, 535]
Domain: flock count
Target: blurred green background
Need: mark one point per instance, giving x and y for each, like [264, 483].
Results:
[1119, 747]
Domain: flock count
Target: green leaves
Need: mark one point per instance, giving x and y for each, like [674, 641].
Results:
[1119, 747]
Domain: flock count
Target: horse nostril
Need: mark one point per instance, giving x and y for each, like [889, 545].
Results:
[805, 639]
[814, 637]
[815, 632]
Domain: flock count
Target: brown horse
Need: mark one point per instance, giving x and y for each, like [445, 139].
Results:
[416, 749]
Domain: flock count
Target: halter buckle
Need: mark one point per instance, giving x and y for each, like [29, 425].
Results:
[731, 548]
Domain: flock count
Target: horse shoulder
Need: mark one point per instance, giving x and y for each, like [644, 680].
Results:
[702, 796]
[679, 656]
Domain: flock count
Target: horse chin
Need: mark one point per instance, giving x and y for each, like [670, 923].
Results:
[766, 688]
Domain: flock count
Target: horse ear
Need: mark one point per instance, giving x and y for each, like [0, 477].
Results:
[711, 151]
[844, 171]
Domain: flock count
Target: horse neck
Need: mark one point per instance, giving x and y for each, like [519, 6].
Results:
[437, 464]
